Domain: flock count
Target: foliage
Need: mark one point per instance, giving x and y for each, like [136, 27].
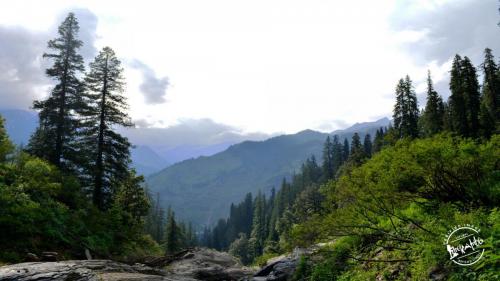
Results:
[44, 195]
[399, 204]
[55, 137]
[108, 153]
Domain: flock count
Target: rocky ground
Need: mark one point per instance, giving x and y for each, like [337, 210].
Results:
[192, 265]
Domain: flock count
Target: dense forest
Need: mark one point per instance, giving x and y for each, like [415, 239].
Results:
[71, 188]
[391, 197]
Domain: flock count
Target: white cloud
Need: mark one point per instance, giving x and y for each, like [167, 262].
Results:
[257, 65]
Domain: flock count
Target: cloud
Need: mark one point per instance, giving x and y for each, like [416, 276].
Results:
[152, 87]
[330, 125]
[142, 123]
[21, 74]
[189, 132]
[88, 27]
[466, 27]
[22, 68]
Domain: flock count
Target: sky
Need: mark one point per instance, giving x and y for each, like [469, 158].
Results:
[257, 66]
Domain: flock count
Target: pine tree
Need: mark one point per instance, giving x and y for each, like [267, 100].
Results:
[108, 152]
[337, 155]
[456, 102]
[367, 145]
[259, 225]
[55, 137]
[378, 142]
[433, 116]
[171, 233]
[345, 150]
[464, 101]
[357, 153]
[328, 159]
[406, 109]
[472, 97]
[490, 99]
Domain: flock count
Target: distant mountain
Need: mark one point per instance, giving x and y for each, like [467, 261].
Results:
[201, 190]
[20, 124]
[146, 161]
[155, 148]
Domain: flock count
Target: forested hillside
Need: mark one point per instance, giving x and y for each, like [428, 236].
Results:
[382, 206]
[71, 188]
[201, 190]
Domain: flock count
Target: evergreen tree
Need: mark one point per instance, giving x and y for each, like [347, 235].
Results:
[55, 137]
[378, 142]
[259, 225]
[171, 233]
[458, 114]
[490, 99]
[472, 97]
[367, 145]
[357, 152]
[406, 109]
[337, 154]
[433, 116]
[108, 151]
[464, 101]
[345, 150]
[328, 159]
[247, 210]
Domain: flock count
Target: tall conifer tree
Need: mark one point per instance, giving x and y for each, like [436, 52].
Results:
[472, 97]
[345, 150]
[433, 116]
[458, 111]
[337, 154]
[406, 109]
[109, 152]
[367, 145]
[55, 137]
[490, 99]
[328, 159]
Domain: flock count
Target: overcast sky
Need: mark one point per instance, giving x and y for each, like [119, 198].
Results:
[256, 66]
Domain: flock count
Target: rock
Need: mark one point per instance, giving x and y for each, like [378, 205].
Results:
[81, 270]
[196, 264]
[207, 264]
[31, 257]
[49, 256]
[282, 269]
[87, 254]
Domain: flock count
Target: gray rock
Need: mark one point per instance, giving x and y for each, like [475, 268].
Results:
[197, 264]
[79, 270]
[207, 264]
[282, 269]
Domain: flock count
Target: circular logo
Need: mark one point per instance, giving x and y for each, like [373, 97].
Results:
[463, 244]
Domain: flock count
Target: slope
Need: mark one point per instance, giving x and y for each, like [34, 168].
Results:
[201, 190]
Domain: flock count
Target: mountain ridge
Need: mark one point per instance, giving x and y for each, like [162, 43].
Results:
[201, 189]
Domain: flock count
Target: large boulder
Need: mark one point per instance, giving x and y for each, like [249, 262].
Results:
[83, 270]
[207, 264]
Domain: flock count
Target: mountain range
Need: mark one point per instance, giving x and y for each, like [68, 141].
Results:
[154, 148]
[200, 179]
[201, 190]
